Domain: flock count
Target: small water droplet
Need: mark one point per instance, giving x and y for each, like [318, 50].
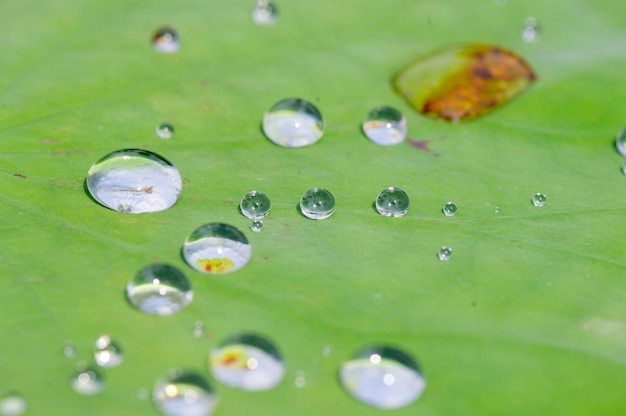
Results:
[444, 253]
[255, 205]
[382, 377]
[182, 393]
[300, 380]
[293, 123]
[159, 289]
[497, 210]
[87, 381]
[392, 202]
[165, 131]
[450, 209]
[166, 40]
[12, 404]
[539, 200]
[256, 226]
[531, 30]
[108, 353]
[265, 13]
[69, 351]
[317, 204]
[134, 181]
[620, 142]
[198, 329]
[327, 350]
[385, 126]
[247, 362]
[217, 248]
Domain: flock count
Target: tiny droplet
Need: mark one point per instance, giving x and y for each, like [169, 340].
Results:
[300, 380]
[265, 13]
[531, 30]
[165, 40]
[255, 205]
[165, 131]
[539, 200]
[12, 404]
[392, 202]
[444, 253]
[256, 226]
[450, 209]
[317, 204]
[385, 126]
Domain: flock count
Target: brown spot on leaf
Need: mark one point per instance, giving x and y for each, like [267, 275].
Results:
[19, 175]
[423, 145]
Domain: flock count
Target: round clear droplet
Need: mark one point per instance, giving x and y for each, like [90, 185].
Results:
[159, 289]
[265, 13]
[108, 353]
[539, 200]
[134, 181]
[327, 350]
[300, 380]
[620, 142]
[392, 202]
[531, 30]
[87, 382]
[293, 123]
[12, 405]
[198, 329]
[496, 210]
[383, 377]
[450, 209]
[317, 204]
[69, 351]
[444, 253]
[385, 126]
[165, 131]
[248, 362]
[256, 226]
[184, 393]
[165, 40]
[217, 248]
[255, 205]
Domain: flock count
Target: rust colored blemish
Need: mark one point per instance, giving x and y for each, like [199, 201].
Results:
[19, 175]
[423, 145]
[49, 141]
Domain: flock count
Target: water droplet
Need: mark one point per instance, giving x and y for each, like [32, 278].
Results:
[12, 405]
[87, 382]
[198, 329]
[444, 253]
[450, 209]
[293, 123]
[159, 289]
[134, 181]
[255, 205]
[317, 204]
[182, 393]
[165, 131]
[620, 142]
[166, 40]
[539, 200]
[247, 362]
[265, 13]
[383, 377]
[108, 353]
[69, 351]
[217, 248]
[385, 126]
[392, 202]
[256, 226]
[531, 30]
[497, 210]
[300, 380]
[327, 350]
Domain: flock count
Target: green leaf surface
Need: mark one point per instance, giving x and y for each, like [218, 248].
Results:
[528, 316]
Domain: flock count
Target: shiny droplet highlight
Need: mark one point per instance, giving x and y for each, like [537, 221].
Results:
[165, 131]
[531, 30]
[265, 13]
[256, 226]
[385, 126]
[184, 393]
[108, 352]
[539, 199]
[444, 253]
[87, 382]
[449, 209]
[166, 40]
[392, 202]
[317, 204]
[217, 248]
[293, 123]
[159, 289]
[12, 404]
[255, 205]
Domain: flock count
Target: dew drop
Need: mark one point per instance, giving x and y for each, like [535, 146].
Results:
[198, 329]
[497, 210]
[317, 204]
[256, 226]
[385, 126]
[392, 202]
[327, 350]
[247, 362]
[450, 209]
[300, 380]
[444, 253]
[165, 40]
[12, 404]
[159, 289]
[293, 123]
[165, 131]
[539, 200]
[531, 30]
[108, 353]
[217, 248]
[69, 351]
[265, 13]
[382, 377]
[183, 393]
[620, 142]
[134, 181]
[624, 169]
[255, 205]
[87, 382]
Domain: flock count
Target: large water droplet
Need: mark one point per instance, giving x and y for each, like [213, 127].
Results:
[247, 362]
[165, 131]
[293, 123]
[12, 405]
[255, 205]
[449, 209]
[87, 382]
[166, 40]
[265, 13]
[444, 253]
[620, 142]
[385, 126]
[317, 204]
[108, 353]
[134, 181]
[539, 200]
[183, 393]
[383, 377]
[392, 202]
[217, 248]
[159, 289]
[531, 30]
